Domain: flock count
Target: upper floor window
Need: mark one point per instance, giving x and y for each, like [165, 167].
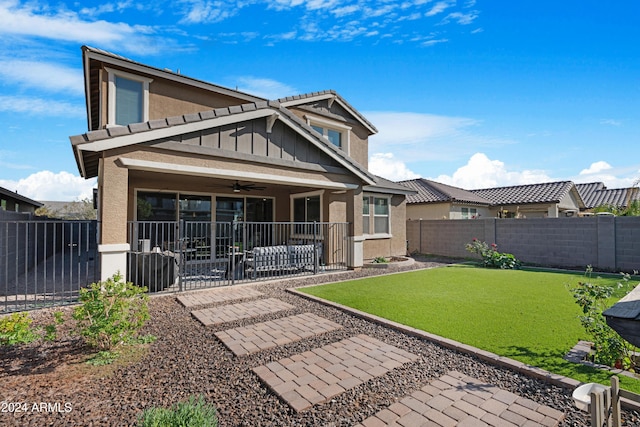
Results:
[128, 98]
[336, 133]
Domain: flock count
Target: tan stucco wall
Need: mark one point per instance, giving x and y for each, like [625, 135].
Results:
[417, 211]
[396, 245]
[113, 202]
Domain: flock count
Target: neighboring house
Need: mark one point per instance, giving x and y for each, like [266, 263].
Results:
[77, 210]
[164, 146]
[11, 201]
[440, 201]
[434, 200]
[596, 194]
[545, 200]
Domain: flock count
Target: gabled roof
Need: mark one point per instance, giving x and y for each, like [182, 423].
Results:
[383, 185]
[596, 194]
[88, 145]
[434, 192]
[548, 192]
[20, 198]
[332, 96]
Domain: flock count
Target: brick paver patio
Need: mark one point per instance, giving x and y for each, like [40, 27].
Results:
[456, 399]
[315, 376]
[244, 310]
[214, 296]
[261, 336]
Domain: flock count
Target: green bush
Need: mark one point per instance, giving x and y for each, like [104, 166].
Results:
[490, 255]
[193, 413]
[111, 312]
[16, 329]
[593, 298]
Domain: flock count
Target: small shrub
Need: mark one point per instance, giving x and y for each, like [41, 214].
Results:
[380, 260]
[111, 312]
[593, 297]
[193, 413]
[16, 329]
[490, 255]
[51, 330]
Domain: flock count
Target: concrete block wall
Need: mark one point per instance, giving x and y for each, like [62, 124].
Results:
[605, 242]
[627, 243]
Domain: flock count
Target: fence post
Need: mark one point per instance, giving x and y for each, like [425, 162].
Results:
[181, 248]
[615, 401]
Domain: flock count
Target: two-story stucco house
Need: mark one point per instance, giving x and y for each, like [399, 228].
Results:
[166, 147]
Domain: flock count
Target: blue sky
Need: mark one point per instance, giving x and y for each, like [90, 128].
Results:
[471, 93]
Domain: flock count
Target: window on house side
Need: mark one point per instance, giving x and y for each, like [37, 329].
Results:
[468, 213]
[3, 205]
[129, 102]
[380, 215]
[366, 216]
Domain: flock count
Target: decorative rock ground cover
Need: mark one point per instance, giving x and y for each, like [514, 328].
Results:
[188, 359]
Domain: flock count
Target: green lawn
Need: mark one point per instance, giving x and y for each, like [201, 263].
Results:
[529, 316]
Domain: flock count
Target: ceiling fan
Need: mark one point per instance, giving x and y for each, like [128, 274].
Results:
[237, 187]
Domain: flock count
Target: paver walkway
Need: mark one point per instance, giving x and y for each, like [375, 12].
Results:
[265, 335]
[214, 296]
[456, 399]
[315, 376]
[244, 310]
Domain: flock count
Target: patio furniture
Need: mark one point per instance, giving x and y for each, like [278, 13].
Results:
[280, 258]
[155, 270]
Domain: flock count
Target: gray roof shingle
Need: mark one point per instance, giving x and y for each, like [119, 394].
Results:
[435, 192]
[548, 192]
[596, 194]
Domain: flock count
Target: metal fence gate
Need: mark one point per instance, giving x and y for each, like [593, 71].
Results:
[45, 262]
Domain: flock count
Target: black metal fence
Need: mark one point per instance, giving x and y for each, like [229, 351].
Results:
[185, 255]
[45, 262]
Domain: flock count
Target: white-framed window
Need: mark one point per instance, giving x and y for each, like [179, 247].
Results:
[336, 133]
[366, 215]
[306, 207]
[376, 215]
[469, 213]
[128, 98]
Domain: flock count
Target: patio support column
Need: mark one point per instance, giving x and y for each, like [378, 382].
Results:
[114, 189]
[355, 258]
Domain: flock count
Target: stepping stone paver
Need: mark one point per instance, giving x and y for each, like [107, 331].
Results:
[232, 312]
[217, 295]
[316, 376]
[261, 336]
[456, 399]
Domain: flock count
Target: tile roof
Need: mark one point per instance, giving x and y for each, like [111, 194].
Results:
[596, 194]
[435, 192]
[548, 192]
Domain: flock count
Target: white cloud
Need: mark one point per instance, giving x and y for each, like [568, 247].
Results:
[482, 172]
[43, 107]
[345, 10]
[43, 75]
[20, 19]
[208, 12]
[46, 185]
[440, 7]
[265, 88]
[386, 166]
[461, 18]
[433, 42]
[611, 122]
[596, 168]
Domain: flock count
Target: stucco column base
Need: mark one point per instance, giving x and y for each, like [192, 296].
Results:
[113, 258]
[356, 253]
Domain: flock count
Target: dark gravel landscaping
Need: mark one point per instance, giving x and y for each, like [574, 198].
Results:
[187, 359]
